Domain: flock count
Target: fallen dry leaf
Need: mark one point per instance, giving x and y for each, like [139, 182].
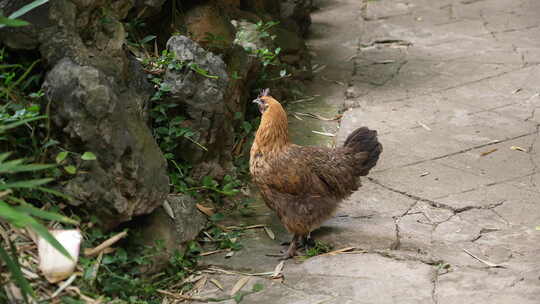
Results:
[168, 209]
[324, 133]
[423, 125]
[342, 250]
[217, 283]
[270, 233]
[317, 116]
[488, 152]
[206, 210]
[517, 148]
[245, 227]
[230, 254]
[236, 288]
[199, 285]
[106, 244]
[488, 263]
[278, 270]
[212, 252]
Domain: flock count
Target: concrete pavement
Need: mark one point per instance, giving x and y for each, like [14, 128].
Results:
[449, 214]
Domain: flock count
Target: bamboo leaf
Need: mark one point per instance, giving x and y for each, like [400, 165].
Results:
[12, 22]
[147, 39]
[4, 156]
[32, 183]
[20, 219]
[25, 9]
[16, 274]
[31, 210]
[54, 192]
[20, 122]
[46, 235]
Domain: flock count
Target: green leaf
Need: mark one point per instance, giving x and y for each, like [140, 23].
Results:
[16, 273]
[217, 217]
[238, 297]
[229, 187]
[32, 183]
[61, 156]
[147, 39]
[209, 182]
[47, 236]
[12, 22]
[54, 192]
[16, 165]
[88, 156]
[20, 122]
[4, 156]
[21, 219]
[257, 287]
[25, 9]
[70, 169]
[51, 216]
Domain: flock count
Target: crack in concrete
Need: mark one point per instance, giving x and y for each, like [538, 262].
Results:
[531, 153]
[466, 2]
[521, 55]
[401, 256]
[450, 8]
[485, 24]
[386, 43]
[464, 84]
[434, 203]
[461, 151]
[435, 282]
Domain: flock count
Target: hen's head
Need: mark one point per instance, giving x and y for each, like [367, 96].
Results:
[273, 129]
[266, 102]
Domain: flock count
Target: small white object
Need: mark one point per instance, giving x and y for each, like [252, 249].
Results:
[54, 265]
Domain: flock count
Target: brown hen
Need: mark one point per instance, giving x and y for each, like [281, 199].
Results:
[304, 185]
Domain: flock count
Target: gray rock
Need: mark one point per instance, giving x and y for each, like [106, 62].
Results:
[180, 224]
[296, 15]
[203, 100]
[99, 115]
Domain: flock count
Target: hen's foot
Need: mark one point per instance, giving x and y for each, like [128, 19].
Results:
[291, 252]
[307, 242]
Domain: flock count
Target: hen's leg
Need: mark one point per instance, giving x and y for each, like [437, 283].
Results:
[307, 242]
[292, 248]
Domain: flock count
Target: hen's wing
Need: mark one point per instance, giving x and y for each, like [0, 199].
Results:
[314, 171]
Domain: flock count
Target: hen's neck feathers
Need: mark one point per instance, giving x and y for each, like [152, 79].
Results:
[273, 132]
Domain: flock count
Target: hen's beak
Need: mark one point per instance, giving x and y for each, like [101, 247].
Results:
[260, 103]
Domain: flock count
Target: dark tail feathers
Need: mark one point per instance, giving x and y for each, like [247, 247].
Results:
[365, 140]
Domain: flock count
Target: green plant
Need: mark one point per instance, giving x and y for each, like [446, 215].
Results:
[12, 20]
[223, 239]
[119, 277]
[319, 248]
[268, 56]
[18, 213]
